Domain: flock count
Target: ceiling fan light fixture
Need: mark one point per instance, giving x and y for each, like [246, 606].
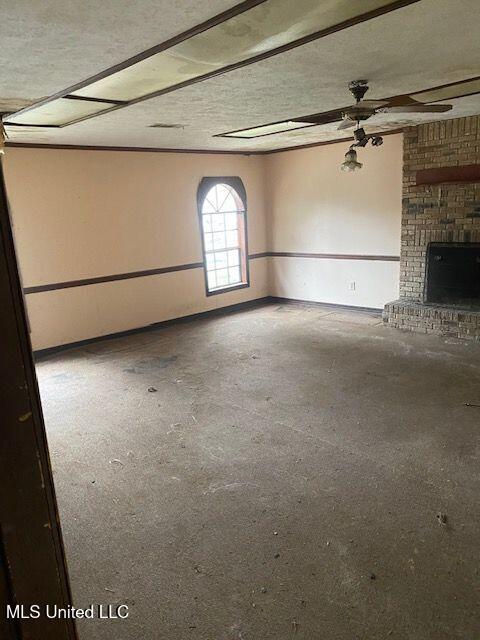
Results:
[377, 141]
[351, 162]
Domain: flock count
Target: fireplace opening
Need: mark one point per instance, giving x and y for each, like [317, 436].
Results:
[453, 274]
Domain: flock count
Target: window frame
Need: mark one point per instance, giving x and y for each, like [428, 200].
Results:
[204, 187]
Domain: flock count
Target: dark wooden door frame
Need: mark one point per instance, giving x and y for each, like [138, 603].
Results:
[32, 560]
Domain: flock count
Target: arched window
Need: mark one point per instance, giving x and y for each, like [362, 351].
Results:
[222, 211]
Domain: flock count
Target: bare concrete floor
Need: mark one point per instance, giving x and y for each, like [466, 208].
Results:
[282, 482]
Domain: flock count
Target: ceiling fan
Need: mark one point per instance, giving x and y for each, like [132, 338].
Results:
[365, 109]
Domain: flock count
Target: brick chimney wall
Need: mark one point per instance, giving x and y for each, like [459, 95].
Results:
[436, 213]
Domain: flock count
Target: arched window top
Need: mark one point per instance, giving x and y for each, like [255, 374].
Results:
[222, 211]
[222, 198]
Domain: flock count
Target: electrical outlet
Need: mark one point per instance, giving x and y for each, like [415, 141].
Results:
[352, 286]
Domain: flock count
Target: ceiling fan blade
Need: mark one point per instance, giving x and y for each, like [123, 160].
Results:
[346, 124]
[401, 101]
[372, 104]
[322, 118]
[417, 108]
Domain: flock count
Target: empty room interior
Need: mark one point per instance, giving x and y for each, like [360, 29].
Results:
[248, 237]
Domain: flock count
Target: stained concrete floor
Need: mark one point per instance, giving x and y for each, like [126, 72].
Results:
[282, 482]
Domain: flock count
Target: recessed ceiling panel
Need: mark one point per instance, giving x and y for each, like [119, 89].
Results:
[269, 25]
[401, 52]
[265, 27]
[450, 91]
[58, 112]
[268, 129]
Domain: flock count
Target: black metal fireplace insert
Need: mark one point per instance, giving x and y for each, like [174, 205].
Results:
[453, 274]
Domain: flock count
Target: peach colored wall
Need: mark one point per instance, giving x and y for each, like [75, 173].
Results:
[82, 214]
[313, 207]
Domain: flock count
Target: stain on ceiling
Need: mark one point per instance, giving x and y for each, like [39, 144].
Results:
[47, 47]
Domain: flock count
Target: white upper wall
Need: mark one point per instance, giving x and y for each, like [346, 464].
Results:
[315, 207]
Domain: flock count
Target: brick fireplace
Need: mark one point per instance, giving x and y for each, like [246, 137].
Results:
[440, 253]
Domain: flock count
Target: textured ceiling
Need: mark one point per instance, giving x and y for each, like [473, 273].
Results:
[49, 45]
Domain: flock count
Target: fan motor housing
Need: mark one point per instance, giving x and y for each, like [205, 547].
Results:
[358, 113]
[358, 88]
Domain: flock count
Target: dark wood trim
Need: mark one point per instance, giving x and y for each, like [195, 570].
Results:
[228, 134]
[443, 175]
[9, 629]
[327, 305]
[201, 315]
[333, 256]
[79, 147]
[37, 126]
[204, 26]
[450, 84]
[254, 256]
[100, 100]
[42, 288]
[112, 278]
[34, 568]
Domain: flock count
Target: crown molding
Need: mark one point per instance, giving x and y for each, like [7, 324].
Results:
[79, 147]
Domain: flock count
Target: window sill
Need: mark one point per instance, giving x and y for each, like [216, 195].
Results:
[234, 287]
